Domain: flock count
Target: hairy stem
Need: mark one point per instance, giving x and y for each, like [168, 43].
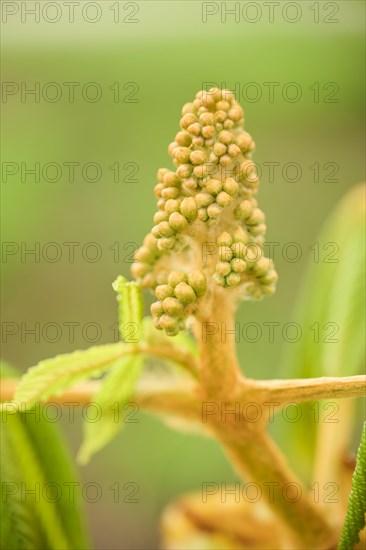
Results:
[251, 450]
[219, 371]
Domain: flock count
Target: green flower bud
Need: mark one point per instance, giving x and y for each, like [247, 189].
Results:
[188, 108]
[197, 157]
[200, 171]
[256, 217]
[182, 154]
[161, 174]
[259, 229]
[165, 229]
[244, 141]
[184, 170]
[170, 193]
[253, 253]
[185, 294]
[239, 250]
[174, 331]
[223, 105]
[262, 266]
[166, 243]
[156, 323]
[160, 216]
[233, 150]
[144, 255]
[139, 269]
[198, 141]
[225, 253]
[225, 160]
[183, 139]
[197, 281]
[158, 189]
[187, 120]
[233, 279]
[218, 279]
[223, 268]
[270, 278]
[188, 208]
[168, 323]
[225, 239]
[150, 242]
[238, 265]
[202, 214]
[228, 124]
[164, 291]
[194, 129]
[156, 309]
[190, 184]
[171, 179]
[219, 149]
[213, 187]
[177, 221]
[203, 199]
[155, 232]
[241, 236]
[244, 210]
[224, 199]
[176, 277]
[214, 210]
[231, 187]
[207, 119]
[236, 113]
[172, 307]
[208, 132]
[225, 137]
[172, 205]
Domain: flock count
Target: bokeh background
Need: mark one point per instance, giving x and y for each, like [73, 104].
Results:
[160, 54]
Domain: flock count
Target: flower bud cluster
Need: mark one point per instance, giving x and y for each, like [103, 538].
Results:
[209, 197]
[177, 299]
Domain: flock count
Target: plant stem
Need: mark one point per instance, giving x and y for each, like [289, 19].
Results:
[219, 370]
[251, 450]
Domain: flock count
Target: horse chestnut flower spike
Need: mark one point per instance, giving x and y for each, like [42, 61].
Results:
[208, 233]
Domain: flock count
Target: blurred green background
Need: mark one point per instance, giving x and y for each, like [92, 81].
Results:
[167, 53]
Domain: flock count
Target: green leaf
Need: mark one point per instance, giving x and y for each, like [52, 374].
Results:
[331, 312]
[130, 309]
[52, 376]
[333, 296]
[34, 459]
[113, 397]
[355, 517]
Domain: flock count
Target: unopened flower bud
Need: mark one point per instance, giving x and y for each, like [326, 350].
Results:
[172, 306]
[213, 186]
[224, 199]
[223, 268]
[164, 291]
[176, 277]
[185, 294]
[177, 221]
[197, 281]
[197, 157]
[225, 239]
[156, 308]
[238, 265]
[188, 208]
[233, 279]
[167, 322]
[231, 187]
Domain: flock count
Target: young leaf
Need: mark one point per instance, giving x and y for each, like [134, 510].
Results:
[34, 460]
[113, 397]
[331, 312]
[130, 309]
[355, 517]
[52, 376]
